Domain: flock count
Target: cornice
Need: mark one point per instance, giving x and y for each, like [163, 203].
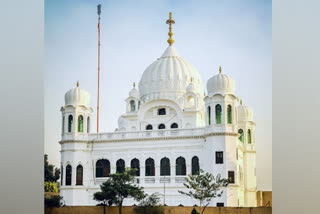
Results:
[151, 138]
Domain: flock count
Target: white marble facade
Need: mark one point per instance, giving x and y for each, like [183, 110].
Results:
[168, 117]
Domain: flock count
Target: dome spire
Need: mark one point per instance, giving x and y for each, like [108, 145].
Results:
[78, 84]
[220, 69]
[170, 21]
[134, 84]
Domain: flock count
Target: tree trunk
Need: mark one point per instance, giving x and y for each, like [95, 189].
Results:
[104, 209]
[120, 208]
[204, 208]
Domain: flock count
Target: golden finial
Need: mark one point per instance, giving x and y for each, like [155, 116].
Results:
[170, 21]
[240, 101]
[191, 79]
[220, 69]
[134, 84]
[78, 84]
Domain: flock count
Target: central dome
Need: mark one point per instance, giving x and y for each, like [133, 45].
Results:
[168, 77]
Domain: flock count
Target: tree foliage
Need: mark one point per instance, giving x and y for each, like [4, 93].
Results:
[194, 211]
[204, 187]
[150, 204]
[51, 173]
[51, 187]
[118, 187]
[53, 201]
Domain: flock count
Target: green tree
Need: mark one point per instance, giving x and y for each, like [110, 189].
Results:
[194, 211]
[118, 187]
[51, 173]
[149, 205]
[51, 186]
[53, 201]
[204, 187]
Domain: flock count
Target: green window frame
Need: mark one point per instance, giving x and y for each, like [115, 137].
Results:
[80, 123]
[218, 114]
[70, 123]
[249, 136]
[241, 137]
[229, 114]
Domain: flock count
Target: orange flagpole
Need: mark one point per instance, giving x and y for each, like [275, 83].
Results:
[98, 98]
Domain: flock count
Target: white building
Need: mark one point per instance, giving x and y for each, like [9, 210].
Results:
[170, 129]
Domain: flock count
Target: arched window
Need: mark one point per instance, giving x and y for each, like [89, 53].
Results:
[63, 124]
[135, 164]
[174, 125]
[218, 114]
[165, 167]
[195, 165]
[161, 111]
[132, 105]
[88, 125]
[240, 131]
[180, 166]
[79, 177]
[120, 166]
[150, 171]
[80, 123]
[70, 123]
[161, 126]
[139, 103]
[249, 136]
[68, 175]
[149, 127]
[229, 114]
[102, 168]
[209, 115]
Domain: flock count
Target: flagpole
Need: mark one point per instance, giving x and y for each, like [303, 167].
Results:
[98, 96]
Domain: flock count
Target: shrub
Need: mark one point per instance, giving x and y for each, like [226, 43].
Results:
[53, 201]
[194, 211]
[51, 187]
[149, 205]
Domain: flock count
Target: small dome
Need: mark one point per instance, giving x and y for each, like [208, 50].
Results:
[220, 84]
[77, 97]
[121, 121]
[244, 113]
[168, 77]
[134, 93]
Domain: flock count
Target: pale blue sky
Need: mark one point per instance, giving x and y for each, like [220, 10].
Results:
[235, 34]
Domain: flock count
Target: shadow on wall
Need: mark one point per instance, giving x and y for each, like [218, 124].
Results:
[168, 210]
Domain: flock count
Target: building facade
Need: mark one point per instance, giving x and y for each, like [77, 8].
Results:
[170, 129]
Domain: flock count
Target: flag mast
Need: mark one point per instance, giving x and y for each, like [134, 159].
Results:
[98, 97]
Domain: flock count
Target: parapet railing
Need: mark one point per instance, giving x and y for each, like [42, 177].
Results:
[146, 134]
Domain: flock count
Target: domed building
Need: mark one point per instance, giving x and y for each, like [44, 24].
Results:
[170, 129]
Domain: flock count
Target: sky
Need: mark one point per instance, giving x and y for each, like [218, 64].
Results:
[233, 34]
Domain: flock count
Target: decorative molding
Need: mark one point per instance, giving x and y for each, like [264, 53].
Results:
[152, 138]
